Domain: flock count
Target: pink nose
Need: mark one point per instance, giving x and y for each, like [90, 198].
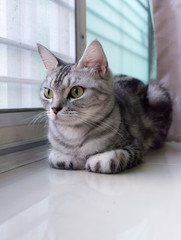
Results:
[56, 110]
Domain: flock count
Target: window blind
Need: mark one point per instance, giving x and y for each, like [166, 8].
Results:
[122, 26]
[23, 23]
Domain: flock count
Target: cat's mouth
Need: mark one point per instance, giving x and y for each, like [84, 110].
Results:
[70, 118]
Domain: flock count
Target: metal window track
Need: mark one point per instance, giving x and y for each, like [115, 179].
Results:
[19, 154]
[16, 117]
[21, 146]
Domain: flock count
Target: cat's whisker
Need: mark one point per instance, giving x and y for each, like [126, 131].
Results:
[32, 118]
[37, 119]
[116, 121]
[41, 117]
[103, 125]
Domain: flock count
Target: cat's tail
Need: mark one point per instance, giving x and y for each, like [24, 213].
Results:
[160, 111]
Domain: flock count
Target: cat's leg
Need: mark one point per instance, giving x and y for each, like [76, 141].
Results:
[114, 161]
[64, 161]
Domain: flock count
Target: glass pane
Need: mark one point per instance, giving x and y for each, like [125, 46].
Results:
[23, 23]
[17, 95]
[123, 28]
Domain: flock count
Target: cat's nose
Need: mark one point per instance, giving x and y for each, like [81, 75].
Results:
[56, 110]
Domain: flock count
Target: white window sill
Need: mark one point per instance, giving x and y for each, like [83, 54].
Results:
[46, 203]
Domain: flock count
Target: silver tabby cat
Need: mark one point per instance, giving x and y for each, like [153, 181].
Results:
[99, 122]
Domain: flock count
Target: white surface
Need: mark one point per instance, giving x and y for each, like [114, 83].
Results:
[37, 202]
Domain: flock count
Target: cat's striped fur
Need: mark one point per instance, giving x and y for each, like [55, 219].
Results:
[114, 122]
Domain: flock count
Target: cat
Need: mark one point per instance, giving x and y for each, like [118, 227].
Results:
[97, 121]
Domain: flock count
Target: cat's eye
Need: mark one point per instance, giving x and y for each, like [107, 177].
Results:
[76, 92]
[48, 93]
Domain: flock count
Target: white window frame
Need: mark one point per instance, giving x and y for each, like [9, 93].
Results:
[18, 153]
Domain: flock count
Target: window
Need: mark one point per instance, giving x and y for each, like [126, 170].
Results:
[23, 23]
[123, 28]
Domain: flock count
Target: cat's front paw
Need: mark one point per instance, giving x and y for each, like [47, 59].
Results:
[63, 161]
[58, 162]
[107, 162]
[62, 165]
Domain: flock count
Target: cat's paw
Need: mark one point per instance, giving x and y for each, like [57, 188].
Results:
[107, 162]
[57, 160]
[63, 161]
[62, 165]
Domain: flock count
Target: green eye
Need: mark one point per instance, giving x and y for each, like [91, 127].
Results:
[76, 92]
[48, 93]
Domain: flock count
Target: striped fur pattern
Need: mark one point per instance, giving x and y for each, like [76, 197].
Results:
[109, 127]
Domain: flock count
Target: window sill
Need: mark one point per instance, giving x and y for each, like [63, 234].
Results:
[20, 158]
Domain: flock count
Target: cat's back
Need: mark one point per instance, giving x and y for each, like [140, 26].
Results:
[129, 91]
[145, 109]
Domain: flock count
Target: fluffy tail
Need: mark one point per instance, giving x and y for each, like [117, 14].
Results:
[160, 110]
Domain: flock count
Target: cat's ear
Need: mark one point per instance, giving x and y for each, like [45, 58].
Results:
[94, 57]
[49, 59]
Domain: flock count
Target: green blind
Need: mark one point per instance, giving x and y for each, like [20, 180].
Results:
[122, 27]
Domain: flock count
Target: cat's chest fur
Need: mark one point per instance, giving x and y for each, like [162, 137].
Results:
[85, 140]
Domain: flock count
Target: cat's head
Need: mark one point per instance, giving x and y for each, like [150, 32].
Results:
[79, 93]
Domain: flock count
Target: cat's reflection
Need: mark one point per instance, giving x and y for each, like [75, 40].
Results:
[125, 204]
[106, 184]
